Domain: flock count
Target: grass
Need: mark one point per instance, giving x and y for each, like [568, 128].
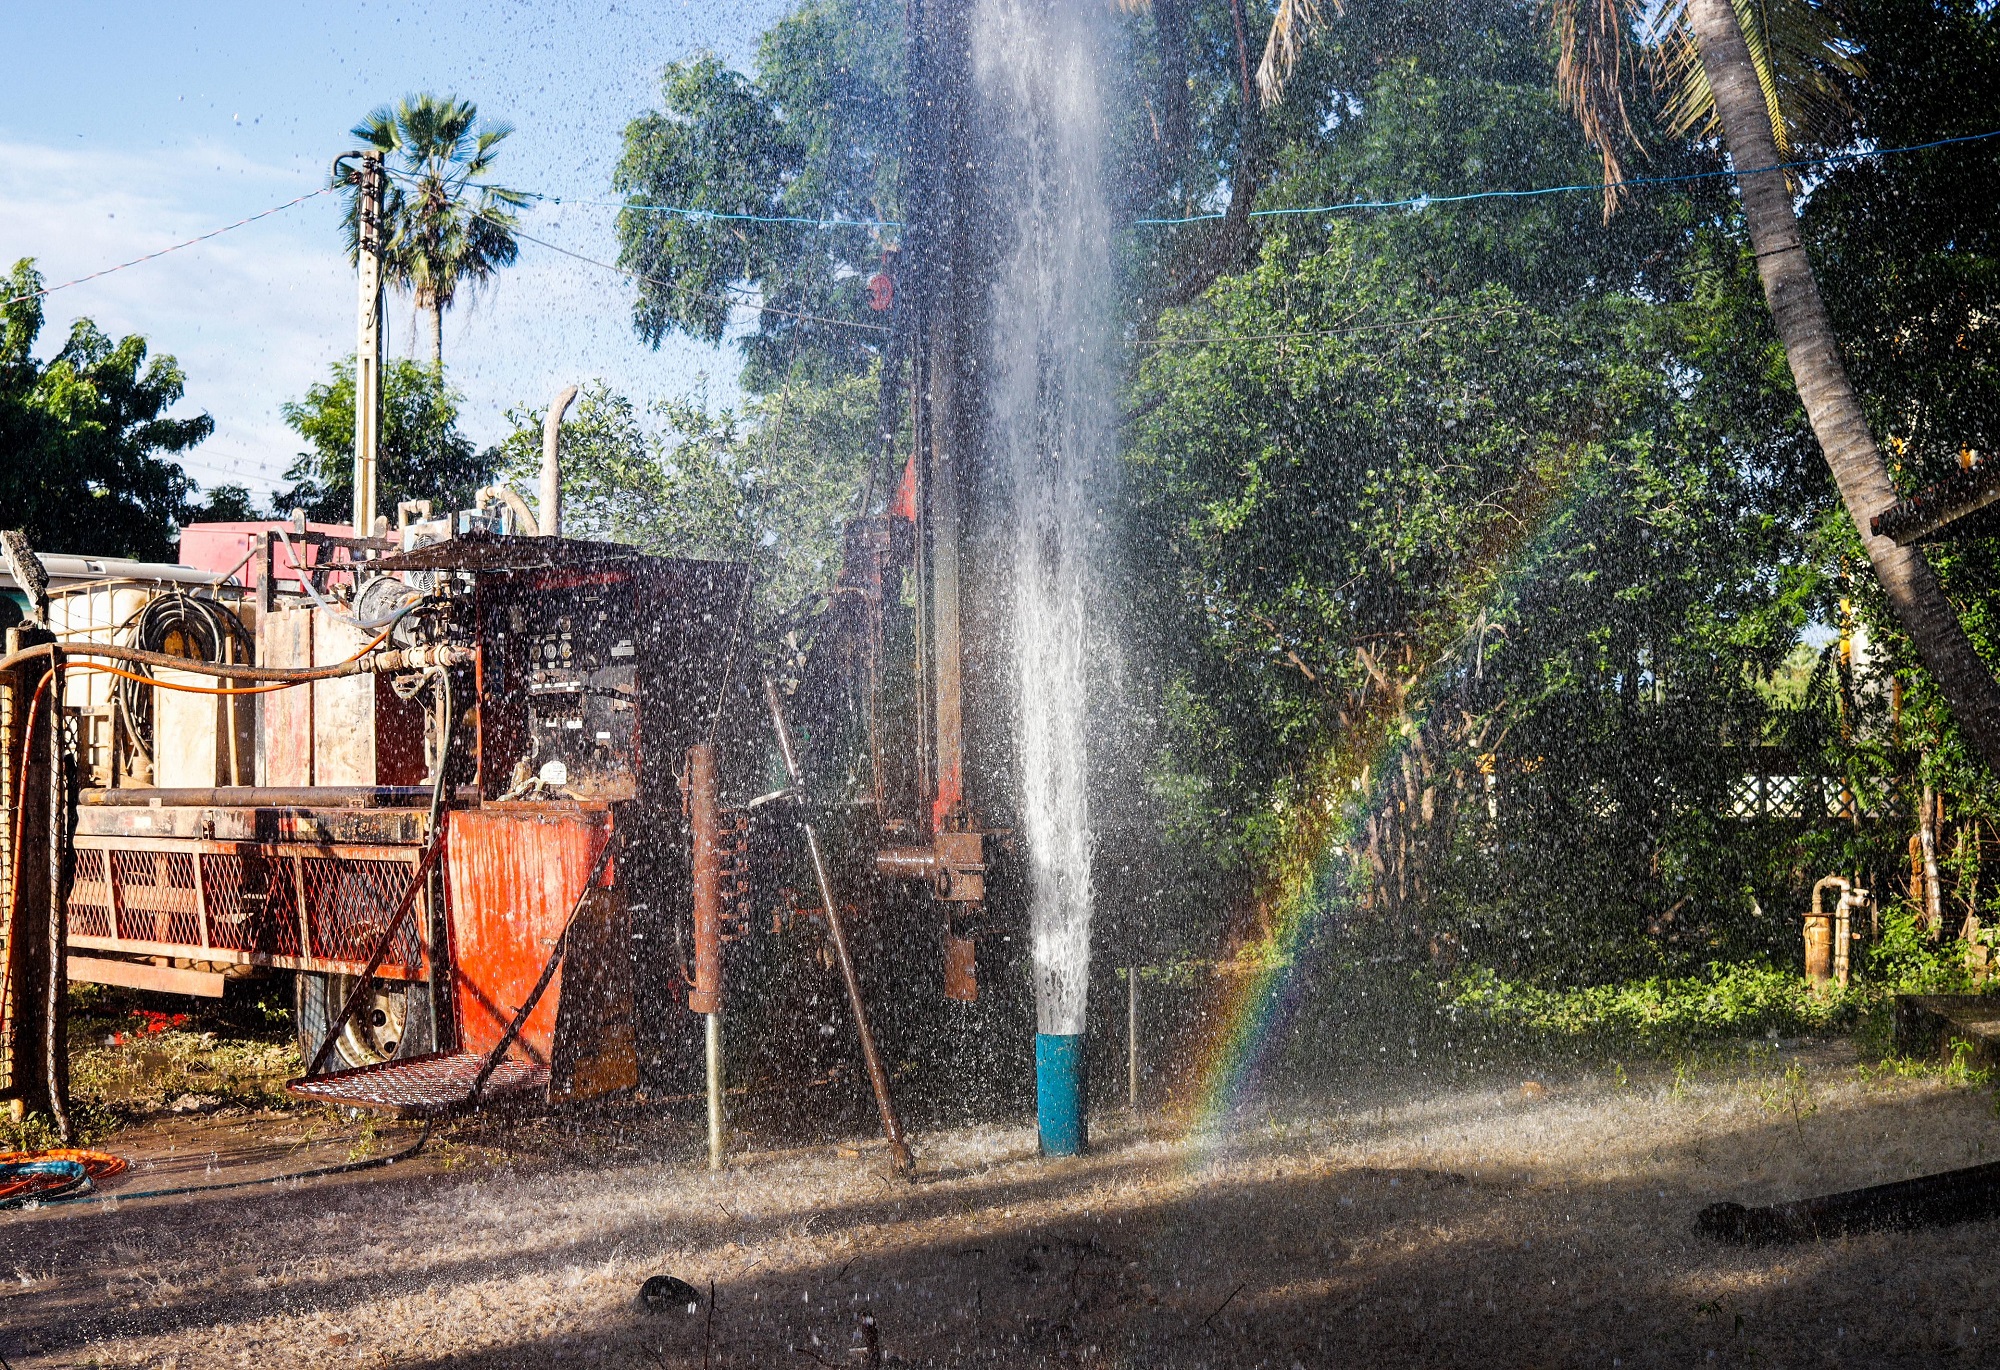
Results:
[135, 1056]
[1669, 1016]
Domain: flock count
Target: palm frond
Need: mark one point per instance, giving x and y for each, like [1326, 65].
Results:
[1291, 29]
[1596, 62]
[1802, 56]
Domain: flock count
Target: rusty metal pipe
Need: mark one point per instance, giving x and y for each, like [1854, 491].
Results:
[906, 863]
[705, 995]
[263, 797]
[878, 1078]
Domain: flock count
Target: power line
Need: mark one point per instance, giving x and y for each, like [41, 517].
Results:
[683, 212]
[1419, 202]
[676, 285]
[212, 233]
[1631, 183]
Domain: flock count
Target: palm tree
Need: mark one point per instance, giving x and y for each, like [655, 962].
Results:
[1758, 76]
[444, 227]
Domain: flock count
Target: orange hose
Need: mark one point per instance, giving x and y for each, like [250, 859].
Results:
[222, 689]
[188, 689]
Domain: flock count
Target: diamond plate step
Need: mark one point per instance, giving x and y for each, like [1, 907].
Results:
[423, 1086]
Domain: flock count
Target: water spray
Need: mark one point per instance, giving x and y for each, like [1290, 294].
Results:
[1051, 428]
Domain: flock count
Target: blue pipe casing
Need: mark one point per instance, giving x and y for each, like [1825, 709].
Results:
[1059, 1093]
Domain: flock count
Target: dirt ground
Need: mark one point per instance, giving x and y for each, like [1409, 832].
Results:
[1500, 1226]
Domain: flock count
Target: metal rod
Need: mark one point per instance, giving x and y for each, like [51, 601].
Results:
[878, 1078]
[1132, 1037]
[716, 1139]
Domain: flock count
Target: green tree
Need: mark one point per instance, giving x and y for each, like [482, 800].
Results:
[423, 455]
[1462, 540]
[85, 440]
[815, 136]
[1764, 76]
[447, 229]
[225, 504]
[771, 485]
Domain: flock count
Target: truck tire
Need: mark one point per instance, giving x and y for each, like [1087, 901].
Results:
[392, 1024]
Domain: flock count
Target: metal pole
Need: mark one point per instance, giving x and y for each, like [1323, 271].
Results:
[1132, 1037]
[368, 341]
[878, 1078]
[716, 1141]
[705, 995]
[55, 1015]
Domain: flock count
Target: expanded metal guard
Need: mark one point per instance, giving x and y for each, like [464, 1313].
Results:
[90, 897]
[286, 905]
[155, 896]
[348, 907]
[253, 904]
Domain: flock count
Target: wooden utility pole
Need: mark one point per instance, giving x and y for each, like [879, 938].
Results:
[369, 181]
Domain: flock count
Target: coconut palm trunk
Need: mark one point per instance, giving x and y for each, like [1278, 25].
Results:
[433, 312]
[1824, 389]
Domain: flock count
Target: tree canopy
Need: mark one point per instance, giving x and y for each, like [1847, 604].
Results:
[423, 454]
[815, 135]
[86, 434]
[771, 484]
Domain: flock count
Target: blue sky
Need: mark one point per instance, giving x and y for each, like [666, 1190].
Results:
[136, 125]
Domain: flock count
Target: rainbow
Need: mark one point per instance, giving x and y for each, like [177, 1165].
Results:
[1257, 987]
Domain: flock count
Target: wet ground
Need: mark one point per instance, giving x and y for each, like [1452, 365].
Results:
[1500, 1226]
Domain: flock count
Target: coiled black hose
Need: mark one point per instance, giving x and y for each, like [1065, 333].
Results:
[178, 624]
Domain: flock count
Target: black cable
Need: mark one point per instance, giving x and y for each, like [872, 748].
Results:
[178, 624]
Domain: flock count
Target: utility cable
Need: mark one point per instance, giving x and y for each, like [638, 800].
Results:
[1420, 201]
[150, 256]
[1598, 187]
[676, 285]
[1410, 202]
[1375, 327]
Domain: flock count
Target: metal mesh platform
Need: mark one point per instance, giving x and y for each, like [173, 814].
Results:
[423, 1086]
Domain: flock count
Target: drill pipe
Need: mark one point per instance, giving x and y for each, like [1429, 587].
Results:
[878, 1078]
